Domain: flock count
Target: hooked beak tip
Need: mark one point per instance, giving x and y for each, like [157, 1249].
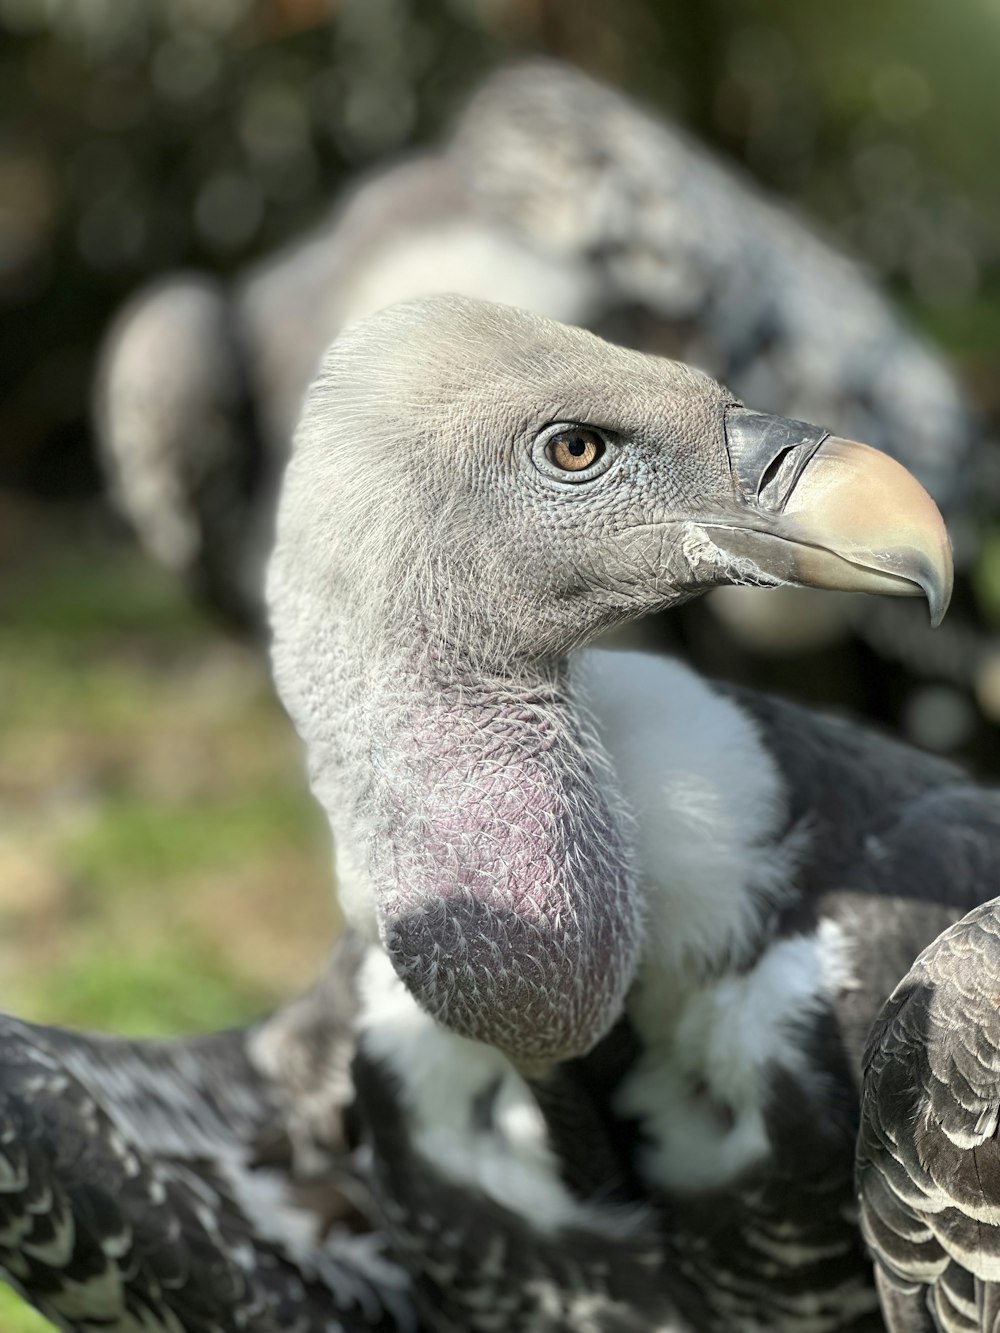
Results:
[861, 505]
[937, 590]
[826, 512]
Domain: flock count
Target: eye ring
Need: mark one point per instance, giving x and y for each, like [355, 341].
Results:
[570, 451]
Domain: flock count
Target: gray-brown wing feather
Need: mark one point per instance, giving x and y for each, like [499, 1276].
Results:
[928, 1167]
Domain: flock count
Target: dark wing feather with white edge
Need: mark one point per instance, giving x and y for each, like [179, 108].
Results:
[195, 1186]
[928, 1152]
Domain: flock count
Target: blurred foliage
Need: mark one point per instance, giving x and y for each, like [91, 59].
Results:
[142, 135]
[16, 1317]
[162, 867]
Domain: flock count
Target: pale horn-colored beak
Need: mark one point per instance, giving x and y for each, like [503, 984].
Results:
[823, 512]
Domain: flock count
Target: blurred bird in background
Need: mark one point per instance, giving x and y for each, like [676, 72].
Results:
[562, 196]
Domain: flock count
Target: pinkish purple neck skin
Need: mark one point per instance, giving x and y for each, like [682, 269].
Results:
[495, 852]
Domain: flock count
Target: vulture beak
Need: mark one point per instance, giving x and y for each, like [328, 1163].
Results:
[823, 512]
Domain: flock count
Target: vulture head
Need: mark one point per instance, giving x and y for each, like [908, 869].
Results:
[473, 493]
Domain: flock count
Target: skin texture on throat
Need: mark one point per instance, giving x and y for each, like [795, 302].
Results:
[494, 848]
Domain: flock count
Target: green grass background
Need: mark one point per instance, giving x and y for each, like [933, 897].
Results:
[162, 866]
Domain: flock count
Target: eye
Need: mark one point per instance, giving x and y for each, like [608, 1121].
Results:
[571, 452]
[575, 448]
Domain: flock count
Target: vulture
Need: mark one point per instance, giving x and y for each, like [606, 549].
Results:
[928, 1159]
[668, 911]
[590, 1060]
[559, 195]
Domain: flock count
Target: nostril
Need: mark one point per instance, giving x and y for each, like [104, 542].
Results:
[768, 454]
[779, 478]
[772, 470]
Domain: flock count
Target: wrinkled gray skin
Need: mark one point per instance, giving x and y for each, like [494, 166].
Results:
[431, 572]
[413, 650]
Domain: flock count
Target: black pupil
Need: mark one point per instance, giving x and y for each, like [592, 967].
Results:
[577, 446]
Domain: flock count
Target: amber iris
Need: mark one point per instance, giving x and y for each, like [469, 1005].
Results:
[576, 449]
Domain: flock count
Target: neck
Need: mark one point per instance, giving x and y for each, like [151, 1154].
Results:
[478, 808]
